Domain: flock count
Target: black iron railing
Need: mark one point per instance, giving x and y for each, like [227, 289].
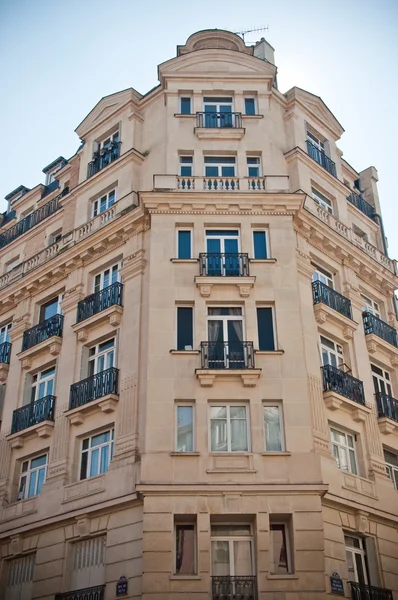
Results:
[360, 591]
[94, 387]
[321, 158]
[103, 158]
[30, 221]
[95, 303]
[33, 413]
[91, 593]
[227, 355]
[383, 330]
[387, 406]
[342, 383]
[359, 202]
[327, 295]
[5, 353]
[41, 332]
[234, 587]
[232, 264]
[219, 119]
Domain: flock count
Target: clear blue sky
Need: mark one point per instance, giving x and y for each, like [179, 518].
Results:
[59, 58]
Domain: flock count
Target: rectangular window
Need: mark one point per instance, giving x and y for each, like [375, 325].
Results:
[356, 559]
[343, 450]
[101, 357]
[12, 264]
[33, 475]
[229, 429]
[225, 331]
[280, 553]
[19, 581]
[253, 166]
[265, 325]
[43, 384]
[250, 106]
[185, 544]
[184, 243]
[392, 466]
[185, 428]
[232, 555]
[104, 202]
[260, 244]
[273, 428]
[184, 328]
[381, 380]
[106, 278]
[322, 200]
[50, 308]
[5, 333]
[97, 453]
[185, 105]
[370, 306]
[218, 112]
[323, 276]
[316, 141]
[186, 166]
[331, 353]
[219, 166]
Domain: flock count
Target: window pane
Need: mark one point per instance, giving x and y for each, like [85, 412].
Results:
[228, 171]
[104, 459]
[94, 463]
[185, 429]
[83, 468]
[253, 171]
[211, 171]
[32, 484]
[184, 328]
[219, 433]
[41, 479]
[185, 106]
[279, 563]
[239, 441]
[184, 244]
[185, 550]
[186, 171]
[38, 462]
[265, 329]
[272, 425]
[260, 248]
[220, 558]
[243, 557]
[250, 106]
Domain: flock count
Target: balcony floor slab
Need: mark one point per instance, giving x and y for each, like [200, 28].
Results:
[382, 350]
[50, 347]
[387, 426]
[43, 430]
[206, 283]
[112, 314]
[105, 404]
[335, 401]
[323, 314]
[248, 377]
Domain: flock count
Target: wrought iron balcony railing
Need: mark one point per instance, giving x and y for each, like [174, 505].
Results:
[234, 587]
[94, 387]
[227, 355]
[321, 158]
[387, 406]
[383, 330]
[37, 216]
[103, 158]
[322, 293]
[33, 413]
[219, 119]
[342, 383]
[95, 303]
[41, 332]
[91, 593]
[361, 204]
[233, 264]
[5, 353]
[360, 591]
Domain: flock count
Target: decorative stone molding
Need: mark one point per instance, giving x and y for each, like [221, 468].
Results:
[82, 489]
[384, 350]
[205, 284]
[133, 265]
[219, 133]
[387, 425]
[71, 297]
[105, 404]
[19, 325]
[4, 368]
[42, 430]
[323, 313]
[334, 401]
[360, 485]
[47, 349]
[112, 314]
[248, 377]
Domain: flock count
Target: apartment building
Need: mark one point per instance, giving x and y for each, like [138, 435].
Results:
[199, 355]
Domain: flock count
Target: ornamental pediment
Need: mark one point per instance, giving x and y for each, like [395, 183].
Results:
[105, 108]
[316, 108]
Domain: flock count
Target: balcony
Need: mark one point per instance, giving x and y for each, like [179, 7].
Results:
[33, 413]
[387, 410]
[103, 158]
[91, 593]
[228, 587]
[97, 391]
[227, 360]
[223, 265]
[361, 204]
[343, 391]
[368, 592]
[45, 330]
[100, 301]
[30, 221]
[321, 158]
[323, 294]
[265, 184]
[5, 355]
[219, 120]
[375, 326]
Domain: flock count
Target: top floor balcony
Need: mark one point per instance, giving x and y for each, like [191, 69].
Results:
[103, 157]
[383, 330]
[361, 204]
[231, 184]
[219, 120]
[321, 158]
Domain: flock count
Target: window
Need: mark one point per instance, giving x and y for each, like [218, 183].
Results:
[232, 551]
[33, 475]
[218, 112]
[265, 326]
[250, 106]
[343, 450]
[184, 327]
[186, 166]
[392, 466]
[280, 554]
[222, 242]
[184, 243]
[260, 244]
[185, 544]
[356, 561]
[253, 166]
[323, 276]
[225, 338]
[331, 353]
[97, 452]
[316, 141]
[109, 149]
[323, 202]
[104, 202]
[101, 357]
[12, 264]
[106, 278]
[5, 333]
[370, 306]
[185, 428]
[50, 308]
[185, 105]
[19, 581]
[88, 563]
[55, 237]
[273, 428]
[229, 429]
[43, 384]
[220, 166]
[381, 380]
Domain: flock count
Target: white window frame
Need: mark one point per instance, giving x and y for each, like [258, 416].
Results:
[339, 448]
[192, 407]
[337, 352]
[382, 378]
[322, 200]
[98, 354]
[231, 539]
[222, 237]
[217, 102]
[279, 407]
[315, 139]
[41, 378]
[361, 551]
[195, 544]
[110, 200]
[228, 425]
[185, 164]
[250, 97]
[219, 166]
[5, 332]
[9, 266]
[323, 276]
[190, 229]
[89, 451]
[225, 319]
[264, 230]
[57, 299]
[100, 277]
[185, 96]
[253, 166]
[371, 306]
[109, 140]
[274, 520]
[23, 489]
[392, 470]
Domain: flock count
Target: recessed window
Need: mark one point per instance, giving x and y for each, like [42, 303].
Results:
[370, 306]
[185, 547]
[273, 428]
[253, 166]
[96, 454]
[250, 106]
[186, 166]
[51, 308]
[185, 428]
[104, 202]
[32, 477]
[260, 244]
[265, 326]
[381, 380]
[101, 357]
[391, 459]
[184, 327]
[322, 200]
[323, 276]
[232, 554]
[106, 278]
[55, 237]
[218, 112]
[344, 451]
[331, 353]
[220, 166]
[43, 384]
[316, 141]
[185, 105]
[5, 333]
[229, 428]
[225, 330]
[280, 551]
[184, 243]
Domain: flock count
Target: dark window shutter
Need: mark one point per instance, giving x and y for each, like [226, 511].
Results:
[185, 106]
[184, 327]
[184, 244]
[250, 108]
[260, 246]
[265, 329]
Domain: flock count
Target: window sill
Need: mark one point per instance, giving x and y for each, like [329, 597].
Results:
[283, 453]
[261, 261]
[184, 260]
[185, 116]
[185, 577]
[269, 352]
[252, 116]
[184, 454]
[189, 352]
[281, 576]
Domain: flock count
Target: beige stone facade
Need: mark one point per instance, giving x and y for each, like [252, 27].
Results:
[199, 352]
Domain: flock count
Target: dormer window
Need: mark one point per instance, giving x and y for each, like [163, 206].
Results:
[316, 141]
[105, 152]
[53, 168]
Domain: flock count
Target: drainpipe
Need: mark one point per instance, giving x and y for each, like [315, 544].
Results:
[383, 239]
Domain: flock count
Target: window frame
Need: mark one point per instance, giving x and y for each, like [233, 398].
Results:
[190, 231]
[383, 380]
[220, 165]
[265, 231]
[38, 380]
[255, 112]
[361, 551]
[111, 446]
[323, 201]
[371, 306]
[274, 332]
[348, 449]
[185, 164]
[5, 332]
[391, 469]
[228, 426]
[27, 474]
[101, 275]
[180, 102]
[257, 165]
[193, 419]
[186, 523]
[44, 305]
[93, 358]
[96, 203]
[338, 355]
[319, 274]
[277, 521]
[315, 139]
[231, 539]
[279, 406]
[191, 306]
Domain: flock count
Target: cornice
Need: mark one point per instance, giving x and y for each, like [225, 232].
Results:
[304, 157]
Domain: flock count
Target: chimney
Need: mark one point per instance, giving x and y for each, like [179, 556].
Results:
[264, 51]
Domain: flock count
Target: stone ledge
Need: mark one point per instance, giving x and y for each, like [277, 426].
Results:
[323, 314]
[4, 368]
[248, 377]
[105, 404]
[335, 401]
[244, 284]
[375, 345]
[112, 314]
[387, 425]
[84, 488]
[219, 133]
[51, 347]
[42, 430]
[19, 509]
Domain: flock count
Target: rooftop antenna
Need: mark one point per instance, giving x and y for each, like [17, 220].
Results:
[243, 33]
